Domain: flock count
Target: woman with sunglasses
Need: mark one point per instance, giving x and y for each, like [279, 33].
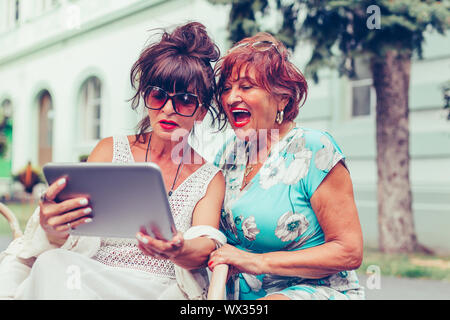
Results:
[289, 215]
[175, 81]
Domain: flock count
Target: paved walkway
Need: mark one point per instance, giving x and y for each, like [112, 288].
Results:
[392, 288]
[387, 288]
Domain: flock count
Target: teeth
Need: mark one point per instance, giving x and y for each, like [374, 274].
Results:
[241, 115]
[240, 111]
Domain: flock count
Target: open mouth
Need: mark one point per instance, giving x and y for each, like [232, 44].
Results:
[241, 116]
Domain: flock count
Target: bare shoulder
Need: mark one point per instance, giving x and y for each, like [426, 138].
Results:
[103, 151]
[132, 139]
[337, 181]
[137, 145]
[339, 184]
[217, 184]
[219, 178]
[207, 210]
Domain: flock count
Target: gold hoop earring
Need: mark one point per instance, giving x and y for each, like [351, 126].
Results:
[280, 116]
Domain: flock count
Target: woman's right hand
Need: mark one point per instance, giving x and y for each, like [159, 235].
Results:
[58, 218]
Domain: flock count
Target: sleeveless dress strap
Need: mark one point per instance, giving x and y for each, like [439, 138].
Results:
[121, 150]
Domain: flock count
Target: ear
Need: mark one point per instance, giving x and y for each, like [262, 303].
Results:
[282, 103]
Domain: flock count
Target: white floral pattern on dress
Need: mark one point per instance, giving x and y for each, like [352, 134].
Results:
[275, 282]
[254, 283]
[228, 222]
[272, 173]
[327, 157]
[290, 226]
[297, 143]
[299, 167]
[249, 228]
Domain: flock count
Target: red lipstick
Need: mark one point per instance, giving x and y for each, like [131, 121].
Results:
[168, 124]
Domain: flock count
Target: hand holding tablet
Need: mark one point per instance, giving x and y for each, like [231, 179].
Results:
[124, 198]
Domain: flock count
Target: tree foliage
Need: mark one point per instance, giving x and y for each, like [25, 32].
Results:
[338, 30]
[244, 14]
[388, 33]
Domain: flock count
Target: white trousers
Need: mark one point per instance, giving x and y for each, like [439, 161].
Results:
[62, 274]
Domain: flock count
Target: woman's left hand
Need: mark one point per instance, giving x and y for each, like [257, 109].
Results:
[239, 261]
[159, 248]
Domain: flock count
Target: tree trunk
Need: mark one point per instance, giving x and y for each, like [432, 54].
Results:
[395, 217]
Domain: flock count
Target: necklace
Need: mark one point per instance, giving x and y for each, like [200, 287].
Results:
[180, 165]
[249, 168]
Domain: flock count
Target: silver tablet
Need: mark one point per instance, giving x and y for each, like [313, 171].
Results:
[124, 197]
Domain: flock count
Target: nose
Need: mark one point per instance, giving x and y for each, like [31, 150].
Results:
[231, 97]
[168, 106]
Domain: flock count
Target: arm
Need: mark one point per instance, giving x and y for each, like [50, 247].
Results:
[342, 250]
[193, 253]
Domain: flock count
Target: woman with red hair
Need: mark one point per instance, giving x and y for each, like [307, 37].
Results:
[289, 213]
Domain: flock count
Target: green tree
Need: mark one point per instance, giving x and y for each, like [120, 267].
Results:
[388, 33]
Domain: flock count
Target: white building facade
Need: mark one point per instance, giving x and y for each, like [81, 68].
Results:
[65, 84]
[65, 71]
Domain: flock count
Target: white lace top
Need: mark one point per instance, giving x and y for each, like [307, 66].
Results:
[124, 253]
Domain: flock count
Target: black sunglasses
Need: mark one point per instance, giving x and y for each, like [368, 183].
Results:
[185, 104]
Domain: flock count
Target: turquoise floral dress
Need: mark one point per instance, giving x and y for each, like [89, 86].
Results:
[273, 212]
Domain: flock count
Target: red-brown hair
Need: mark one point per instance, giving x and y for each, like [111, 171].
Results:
[273, 72]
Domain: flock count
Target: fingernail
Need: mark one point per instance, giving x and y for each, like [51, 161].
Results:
[142, 239]
[87, 220]
[84, 202]
[61, 181]
[87, 210]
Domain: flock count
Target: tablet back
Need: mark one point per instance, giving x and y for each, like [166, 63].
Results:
[124, 197]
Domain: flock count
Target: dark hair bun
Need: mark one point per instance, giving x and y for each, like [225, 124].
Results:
[179, 62]
[192, 39]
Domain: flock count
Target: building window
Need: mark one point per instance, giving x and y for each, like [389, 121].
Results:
[17, 11]
[5, 133]
[5, 110]
[362, 91]
[90, 109]
[10, 11]
[45, 127]
[46, 5]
